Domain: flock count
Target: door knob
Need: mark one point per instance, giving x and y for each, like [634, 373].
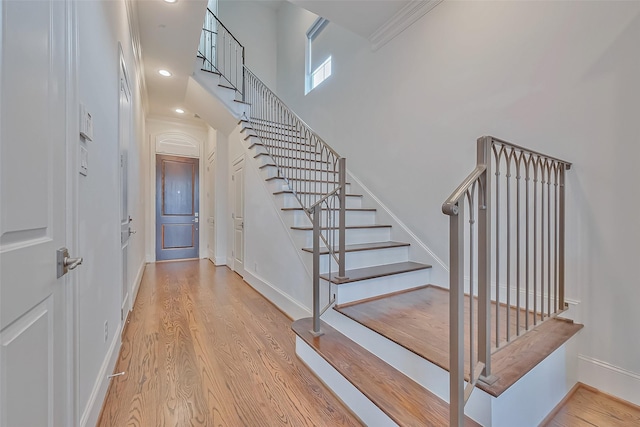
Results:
[64, 262]
[72, 263]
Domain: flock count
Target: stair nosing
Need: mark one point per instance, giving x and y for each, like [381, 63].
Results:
[412, 266]
[348, 227]
[361, 247]
[277, 193]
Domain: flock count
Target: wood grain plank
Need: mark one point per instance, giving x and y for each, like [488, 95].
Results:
[587, 406]
[419, 321]
[204, 349]
[402, 399]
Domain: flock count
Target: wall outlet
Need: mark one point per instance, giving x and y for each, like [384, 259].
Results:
[106, 330]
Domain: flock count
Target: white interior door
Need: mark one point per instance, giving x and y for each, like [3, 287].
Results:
[35, 382]
[211, 208]
[124, 118]
[238, 216]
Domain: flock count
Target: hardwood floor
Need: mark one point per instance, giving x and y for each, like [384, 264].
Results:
[204, 349]
[586, 406]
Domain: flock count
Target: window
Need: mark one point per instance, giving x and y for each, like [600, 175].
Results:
[321, 73]
[318, 56]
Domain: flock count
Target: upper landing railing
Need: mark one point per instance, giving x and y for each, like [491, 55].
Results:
[507, 262]
[314, 172]
[221, 52]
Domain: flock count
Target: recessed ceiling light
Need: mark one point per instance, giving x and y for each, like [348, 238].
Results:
[164, 73]
[170, 1]
[179, 111]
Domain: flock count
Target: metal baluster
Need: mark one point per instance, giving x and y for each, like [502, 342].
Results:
[535, 242]
[316, 271]
[456, 317]
[497, 173]
[549, 238]
[527, 244]
[542, 260]
[518, 160]
[483, 157]
[561, 242]
[470, 199]
[508, 177]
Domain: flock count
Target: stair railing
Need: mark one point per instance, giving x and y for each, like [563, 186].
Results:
[507, 257]
[221, 52]
[314, 172]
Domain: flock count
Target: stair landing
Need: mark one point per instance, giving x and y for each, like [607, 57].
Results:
[418, 320]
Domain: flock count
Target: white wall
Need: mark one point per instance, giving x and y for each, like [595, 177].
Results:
[273, 263]
[253, 23]
[558, 77]
[101, 25]
[190, 139]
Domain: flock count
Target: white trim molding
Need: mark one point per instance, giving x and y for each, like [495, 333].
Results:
[291, 307]
[402, 20]
[609, 378]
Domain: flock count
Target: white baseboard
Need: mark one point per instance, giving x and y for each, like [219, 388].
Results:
[220, 260]
[284, 302]
[136, 284]
[91, 412]
[609, 378]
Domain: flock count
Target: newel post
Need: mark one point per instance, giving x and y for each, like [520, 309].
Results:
[484, 256]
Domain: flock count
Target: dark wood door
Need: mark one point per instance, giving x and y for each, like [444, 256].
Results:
[177, 206]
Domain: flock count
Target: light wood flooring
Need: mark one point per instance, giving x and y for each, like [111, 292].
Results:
[204, 349]
[587, 407]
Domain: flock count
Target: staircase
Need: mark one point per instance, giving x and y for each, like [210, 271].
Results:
[383, 341]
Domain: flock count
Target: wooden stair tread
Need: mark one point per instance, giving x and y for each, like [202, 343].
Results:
[324, 209]
[273, 178]
[402, 399]
[313, 193]
[376, 271]
[296, 168]
[419, 321]
[363, 247]
[348, 227]
[303, 159]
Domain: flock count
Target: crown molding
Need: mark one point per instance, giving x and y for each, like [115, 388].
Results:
[402, 20]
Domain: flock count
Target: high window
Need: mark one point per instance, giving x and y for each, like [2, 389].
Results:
[318, 56]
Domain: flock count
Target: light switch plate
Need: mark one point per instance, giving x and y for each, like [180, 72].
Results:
[86, 123]
[84, 161]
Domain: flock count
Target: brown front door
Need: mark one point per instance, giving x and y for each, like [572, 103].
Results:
[177, 207]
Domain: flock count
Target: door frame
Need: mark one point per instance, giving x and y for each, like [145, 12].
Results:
[238, 160]
[158, 145]
[126, 302]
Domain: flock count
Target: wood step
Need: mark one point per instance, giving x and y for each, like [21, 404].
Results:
[376, 271]
[402, 399]
[302, 159]
[295, 168]
[325, 209]
[348, 227]
[418, 320]
[259, 144]
[312, 193]
[273, 178]
[362, 247]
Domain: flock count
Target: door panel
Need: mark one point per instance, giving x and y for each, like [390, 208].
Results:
[177, 207]
[124, 115]
[238, 221]
[211, 208]
[33, 181]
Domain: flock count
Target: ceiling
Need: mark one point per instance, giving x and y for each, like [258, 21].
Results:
[170, 32]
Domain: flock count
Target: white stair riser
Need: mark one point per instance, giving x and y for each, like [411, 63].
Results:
[300, 218]
[290, 163]
[353, 236]
[370, 288]
[310, 154]
[362, 259]
[290, 201]
[272, 170]
[303, 186]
